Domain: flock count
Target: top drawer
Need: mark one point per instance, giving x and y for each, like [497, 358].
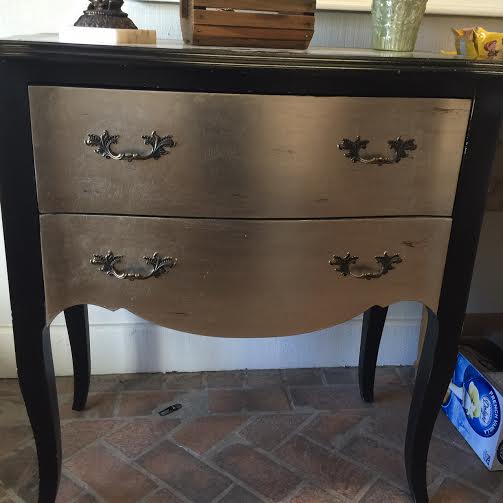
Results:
[245, 155]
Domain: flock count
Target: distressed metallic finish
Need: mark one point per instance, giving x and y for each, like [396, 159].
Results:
[396, 23]
[159, 266]
[160, 145]
[241, 277]
[386, 263]
[105, 14]
[244, 155]
[399, 147]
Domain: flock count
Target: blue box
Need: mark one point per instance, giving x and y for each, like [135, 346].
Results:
[472, 404]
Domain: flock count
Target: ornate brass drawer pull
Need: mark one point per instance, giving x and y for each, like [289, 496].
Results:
[159, 145]
[159, 266]
[386, 263]
[399, 147]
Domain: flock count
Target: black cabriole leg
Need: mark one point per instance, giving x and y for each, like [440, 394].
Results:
[372, 329]
[436, 367]
[78, 332]
[38, 386]
[21, 224]
[438, 357]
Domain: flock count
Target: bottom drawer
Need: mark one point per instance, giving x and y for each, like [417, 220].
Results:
[241, 278]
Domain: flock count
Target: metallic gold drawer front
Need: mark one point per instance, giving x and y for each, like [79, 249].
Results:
[244, 155]
[240, 278]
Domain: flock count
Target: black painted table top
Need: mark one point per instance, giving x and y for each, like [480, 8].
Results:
[47, 47]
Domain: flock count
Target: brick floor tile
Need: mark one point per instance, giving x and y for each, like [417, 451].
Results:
[99, 405]
[303, 377]
[263, 400]
[226, 401]
[337, 398]
[76, 435]
[407, 374]
[13, 411]
[329, 470]
[327, 429]
[19, 469]
[239, 495]
[109, 476]
[466, 465]
[142, 382]
[68, 490]
[13, 436]
[108, 382]
[182, 471]
[9, 387]
[393, 396]
[451, 491]
[311, 494]
[183, 380]
[126, 382]
[64, 384]
[446, 431]
[387, 376]
[144, 394]
[87, 498]
[194, 404]
[263, 378]
[4, 497]
[225, 379]
[381, 492]
[257, 471]
[138, 435]
[163, 496]
[29, 492]
[388, 425]
[203, 433]
[383, 460]
[145, 403]
[341, 375]
[267, 399]
[269, 431]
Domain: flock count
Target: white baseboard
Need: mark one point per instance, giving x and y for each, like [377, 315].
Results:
[132, 346]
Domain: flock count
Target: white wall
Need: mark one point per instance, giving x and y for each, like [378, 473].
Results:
[122, 342]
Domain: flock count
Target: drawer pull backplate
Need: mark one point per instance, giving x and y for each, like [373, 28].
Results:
[399, 147]
[159, 146]
[386, 263]
[108, 262]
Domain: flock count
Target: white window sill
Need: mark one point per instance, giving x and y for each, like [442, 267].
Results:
[489, 8]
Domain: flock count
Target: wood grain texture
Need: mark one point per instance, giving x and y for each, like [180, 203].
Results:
[244, 155]
[265, 5]
[250, 42]
[245, 23]
[203, 31]
[225, 18]
[241, 278]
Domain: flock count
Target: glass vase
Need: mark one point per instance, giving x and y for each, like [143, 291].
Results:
[396, 24]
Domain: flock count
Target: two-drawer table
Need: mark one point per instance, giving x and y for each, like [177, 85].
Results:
[237, 193]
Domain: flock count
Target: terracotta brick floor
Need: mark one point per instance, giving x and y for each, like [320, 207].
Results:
[291, 436]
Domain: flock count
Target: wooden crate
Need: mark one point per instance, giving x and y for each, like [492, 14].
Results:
[284, 24]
